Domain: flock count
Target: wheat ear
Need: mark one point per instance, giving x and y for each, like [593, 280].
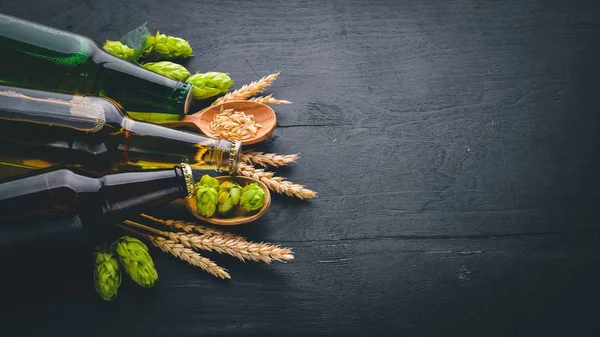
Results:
[247, 90]
[178, 250]
[268, 100]
[276, 184]
[237, 247]
[268, 159]
[192, 227]
[189, 256]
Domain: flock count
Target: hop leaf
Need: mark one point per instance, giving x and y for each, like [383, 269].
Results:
[133, 255]
[118, 49]
[253, 197]
[107, 275]
[169, 47]
[229, 196]
[209, 84]
[168, 69]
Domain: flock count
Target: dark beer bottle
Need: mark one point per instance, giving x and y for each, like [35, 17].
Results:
[64, 200]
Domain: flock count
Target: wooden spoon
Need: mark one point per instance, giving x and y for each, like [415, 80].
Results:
[263, 115]
[238, 215]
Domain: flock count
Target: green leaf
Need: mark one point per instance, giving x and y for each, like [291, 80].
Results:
[135, 38]
[143, 50]
[138, 40]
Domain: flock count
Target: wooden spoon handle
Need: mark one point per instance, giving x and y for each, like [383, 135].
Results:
[189, 121]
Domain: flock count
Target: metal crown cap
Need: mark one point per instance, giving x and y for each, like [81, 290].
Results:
[234, 157]
[189, 179]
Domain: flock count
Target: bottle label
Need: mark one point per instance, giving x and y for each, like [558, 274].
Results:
[75, 114]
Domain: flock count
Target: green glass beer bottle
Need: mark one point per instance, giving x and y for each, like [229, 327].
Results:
[41, 57]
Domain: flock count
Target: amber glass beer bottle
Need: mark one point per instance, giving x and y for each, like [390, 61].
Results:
[94, 133]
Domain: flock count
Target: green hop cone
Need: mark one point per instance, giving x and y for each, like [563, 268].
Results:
[253, 197]
[169, 47]
[107, 275]
[209, 84]
[135, 258]
[118, 49]
[168, 69]
[206, 200]
[210, 181]
[229, 196]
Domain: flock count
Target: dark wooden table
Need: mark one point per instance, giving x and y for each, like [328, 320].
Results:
[454, 148]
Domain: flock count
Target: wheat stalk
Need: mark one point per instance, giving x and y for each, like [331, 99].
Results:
[247, 90]
[268, 159]
[276, 184]
[192, 227]
[268, 100]
[238, 248]
[189, 256]
[179, 250]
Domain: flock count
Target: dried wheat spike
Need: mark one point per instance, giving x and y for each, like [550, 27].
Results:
[192, 227]
[247, 90]
[176, 249]
[276, 184]
[238, 248]
[189, 256]
[268, 100]
[235, 246]
[268, 159]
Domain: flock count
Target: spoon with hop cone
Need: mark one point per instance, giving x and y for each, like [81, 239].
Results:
[237, 215]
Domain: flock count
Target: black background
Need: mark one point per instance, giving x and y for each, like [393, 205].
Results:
[453, 145]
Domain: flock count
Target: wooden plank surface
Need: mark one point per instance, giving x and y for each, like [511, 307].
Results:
[454, 148]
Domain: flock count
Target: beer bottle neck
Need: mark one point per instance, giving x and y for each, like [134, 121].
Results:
[124, 194]
[154, 146]
[138, 89]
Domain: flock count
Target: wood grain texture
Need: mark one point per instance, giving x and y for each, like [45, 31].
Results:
[453, 145]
